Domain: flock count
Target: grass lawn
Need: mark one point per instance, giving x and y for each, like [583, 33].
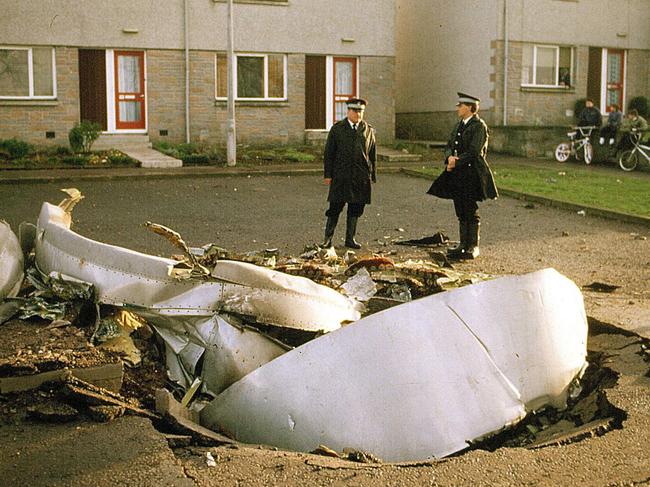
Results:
[618, 191]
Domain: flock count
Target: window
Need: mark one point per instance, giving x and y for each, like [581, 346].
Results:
[27, 72]
[547, 66]
[257, 76]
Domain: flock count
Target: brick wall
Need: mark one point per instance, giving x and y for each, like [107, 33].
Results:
[638, 75]
[536, 106]
[376, 84]
[29, 120]
[257, 122]
[166, 94]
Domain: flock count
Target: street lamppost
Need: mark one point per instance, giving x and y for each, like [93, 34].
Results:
[231, 138]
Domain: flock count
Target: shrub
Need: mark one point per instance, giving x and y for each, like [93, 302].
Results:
[62, 150]
[297, 156]
[196, 159]
[83, 135]
[75, 160]
[119, 158]
[16, 149]
[641, 105]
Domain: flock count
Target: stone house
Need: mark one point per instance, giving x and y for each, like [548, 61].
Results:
[528, 60]
[158, 69]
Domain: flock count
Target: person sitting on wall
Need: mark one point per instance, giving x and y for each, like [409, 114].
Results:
[633, 121]
[614, 119]
[590, 115]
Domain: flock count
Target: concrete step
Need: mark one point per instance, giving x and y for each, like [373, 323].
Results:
[121, 141]
[393, 155]
[152, 158]
[425, 143]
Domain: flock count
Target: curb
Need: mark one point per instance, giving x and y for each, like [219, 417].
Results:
[107, 175]
[564, 205]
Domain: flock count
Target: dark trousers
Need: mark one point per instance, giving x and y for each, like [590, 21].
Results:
[466, 209]
[336, 207]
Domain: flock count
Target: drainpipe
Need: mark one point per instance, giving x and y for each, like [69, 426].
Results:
[187, 73]
[231, 149]
[505, 62]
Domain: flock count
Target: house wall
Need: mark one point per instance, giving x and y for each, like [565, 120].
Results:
[314, 28]
[299, 26]
[444, 47]
[257, 122]
[28, 120]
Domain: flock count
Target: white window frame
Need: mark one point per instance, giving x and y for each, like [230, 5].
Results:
[266, 77]
[30, 70]
[557, 67]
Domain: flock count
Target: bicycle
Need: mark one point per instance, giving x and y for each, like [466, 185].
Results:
[629, 159]
[579, 147]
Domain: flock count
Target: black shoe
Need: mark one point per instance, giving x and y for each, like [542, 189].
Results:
[473, 238]
[350, 232]
[352, 244]
[330, 226]
[457, 251]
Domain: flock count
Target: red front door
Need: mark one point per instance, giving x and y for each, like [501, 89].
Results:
[345, 84]
[129, 90]
[615, 78]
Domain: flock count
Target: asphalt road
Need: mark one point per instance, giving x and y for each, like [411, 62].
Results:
[287, 212]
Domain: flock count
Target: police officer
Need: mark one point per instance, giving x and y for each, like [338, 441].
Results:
[467, 178]
[350, 160]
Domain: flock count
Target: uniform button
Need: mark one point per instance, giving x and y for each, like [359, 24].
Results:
[458, 133]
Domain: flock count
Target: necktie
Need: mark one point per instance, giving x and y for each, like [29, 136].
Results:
[354, 127]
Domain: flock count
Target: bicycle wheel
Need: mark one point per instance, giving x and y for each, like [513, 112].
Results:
[628, 160]
[562, 152]
[589, 152]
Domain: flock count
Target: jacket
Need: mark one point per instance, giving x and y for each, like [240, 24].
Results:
[350, 161]
[471, 176]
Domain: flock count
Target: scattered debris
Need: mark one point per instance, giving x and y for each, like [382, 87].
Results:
[601, 287]
[228, 321]
[437, 238]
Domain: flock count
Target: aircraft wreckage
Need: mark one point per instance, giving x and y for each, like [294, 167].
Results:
[420, 380]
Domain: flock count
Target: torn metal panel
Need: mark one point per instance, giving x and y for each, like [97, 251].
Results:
[232, 353]
[418, 380]
[229, 352]
[124, 277]
[11, 262]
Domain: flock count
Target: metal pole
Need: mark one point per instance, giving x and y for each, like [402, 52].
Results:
[232, 138]
[505, 62]
[187, 74]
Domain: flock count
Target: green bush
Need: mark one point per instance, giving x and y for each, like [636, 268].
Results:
[83, 135]
[75, 160]
[16, 149]
[119, 158]
[641, 105]
[196, 159]
[62, 150]
[297, 156]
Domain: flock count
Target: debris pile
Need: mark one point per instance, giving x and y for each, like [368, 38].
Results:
[291, 351]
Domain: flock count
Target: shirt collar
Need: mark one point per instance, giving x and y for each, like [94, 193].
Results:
[465, 120]
[352, 123]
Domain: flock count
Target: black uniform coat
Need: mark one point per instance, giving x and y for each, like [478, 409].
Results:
[350, 161]
[472, 176]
